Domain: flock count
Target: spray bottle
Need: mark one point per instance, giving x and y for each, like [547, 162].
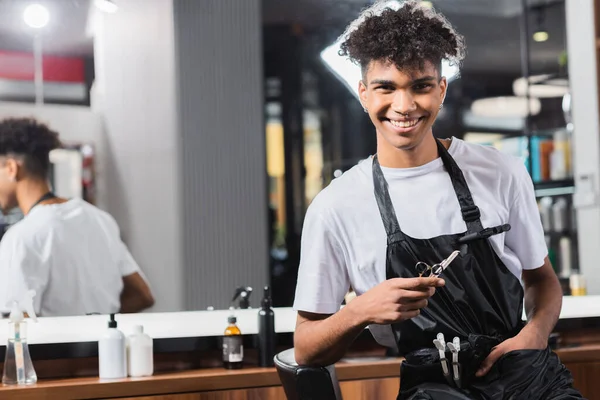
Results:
[18, 368]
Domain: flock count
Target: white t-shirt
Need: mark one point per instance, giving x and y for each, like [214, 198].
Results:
[344, 241]
[71, 254]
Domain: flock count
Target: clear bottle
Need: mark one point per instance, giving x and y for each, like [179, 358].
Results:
[233, 345]
[577, 285]
[140, 354]
[18, 368]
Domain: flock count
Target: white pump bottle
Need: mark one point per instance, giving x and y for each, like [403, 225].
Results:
[112, 356]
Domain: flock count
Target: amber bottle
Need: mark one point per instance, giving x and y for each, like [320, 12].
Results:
[233, 346]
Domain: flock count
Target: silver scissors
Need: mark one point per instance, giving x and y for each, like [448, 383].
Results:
[426, 270]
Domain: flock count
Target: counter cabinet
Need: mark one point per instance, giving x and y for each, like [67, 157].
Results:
[366, 373]
[358, 380]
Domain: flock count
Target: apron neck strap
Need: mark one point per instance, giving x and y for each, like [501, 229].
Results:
[384, 202]
[470, 212]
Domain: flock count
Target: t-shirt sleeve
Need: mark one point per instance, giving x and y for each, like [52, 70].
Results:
[22, 268]
[526, 237]
[127, 264]
[322, 277]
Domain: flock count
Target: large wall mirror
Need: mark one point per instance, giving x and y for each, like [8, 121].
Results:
[130, 86]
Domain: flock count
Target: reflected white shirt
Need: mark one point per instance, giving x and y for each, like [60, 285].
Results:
[71, 254]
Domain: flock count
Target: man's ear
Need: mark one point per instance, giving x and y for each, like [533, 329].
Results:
[362, 93]
[444, 88]
[12, 168]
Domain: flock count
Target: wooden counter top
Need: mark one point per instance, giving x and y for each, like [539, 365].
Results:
[582, 359]
[579, 354]
[185, 382]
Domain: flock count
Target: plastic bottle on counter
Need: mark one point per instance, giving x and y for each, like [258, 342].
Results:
[577, 285]
[140, 353]
[266, 331]
[112, 357]
[565, 256]
[559, 159]
[233, 345]
[545, 206]
[560, 215]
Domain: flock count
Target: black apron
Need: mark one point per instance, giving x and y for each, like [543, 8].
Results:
[481, 303]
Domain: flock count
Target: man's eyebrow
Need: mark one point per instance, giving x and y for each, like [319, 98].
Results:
[386, 82]
[382, 82]
[424, 79]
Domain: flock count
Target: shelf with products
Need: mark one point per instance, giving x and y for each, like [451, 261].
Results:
[558, 219]
[550, 132]
[546, 154]
[551, 188]
[510, 133]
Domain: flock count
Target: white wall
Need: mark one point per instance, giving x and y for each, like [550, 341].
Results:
[581, 44]
[74, 124]
[135, 92]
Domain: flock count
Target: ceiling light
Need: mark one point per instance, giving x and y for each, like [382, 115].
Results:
[508, 106]
[541, 86]
[106, 5]
[540, 36]
[540, 32]
[36, 16]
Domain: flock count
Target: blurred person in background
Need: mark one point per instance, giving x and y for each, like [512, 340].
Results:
[68, 251]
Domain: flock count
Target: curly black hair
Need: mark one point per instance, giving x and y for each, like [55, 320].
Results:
[407, 36]
[31, 140]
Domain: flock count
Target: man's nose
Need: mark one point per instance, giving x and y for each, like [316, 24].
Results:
[403, 103]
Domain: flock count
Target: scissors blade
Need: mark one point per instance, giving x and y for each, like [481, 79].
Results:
[444, 264]
[450, 258]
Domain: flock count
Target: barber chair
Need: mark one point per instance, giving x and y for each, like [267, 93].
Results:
[306, 383]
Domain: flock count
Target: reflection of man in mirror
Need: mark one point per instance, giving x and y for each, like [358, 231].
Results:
[68, 251]
[416, 202]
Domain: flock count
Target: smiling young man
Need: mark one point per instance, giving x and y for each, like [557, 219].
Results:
[419, 200]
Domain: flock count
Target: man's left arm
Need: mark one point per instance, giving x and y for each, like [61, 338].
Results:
[543, 302]
[136, 295]
[543, 294]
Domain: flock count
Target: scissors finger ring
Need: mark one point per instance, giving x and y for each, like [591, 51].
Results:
[426, 270]
[423, 269]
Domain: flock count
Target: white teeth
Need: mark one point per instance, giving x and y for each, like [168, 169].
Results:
[404, 124]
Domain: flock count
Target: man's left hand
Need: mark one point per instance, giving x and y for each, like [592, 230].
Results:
[527, 339]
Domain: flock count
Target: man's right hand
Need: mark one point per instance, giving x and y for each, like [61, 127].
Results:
[394, 300]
